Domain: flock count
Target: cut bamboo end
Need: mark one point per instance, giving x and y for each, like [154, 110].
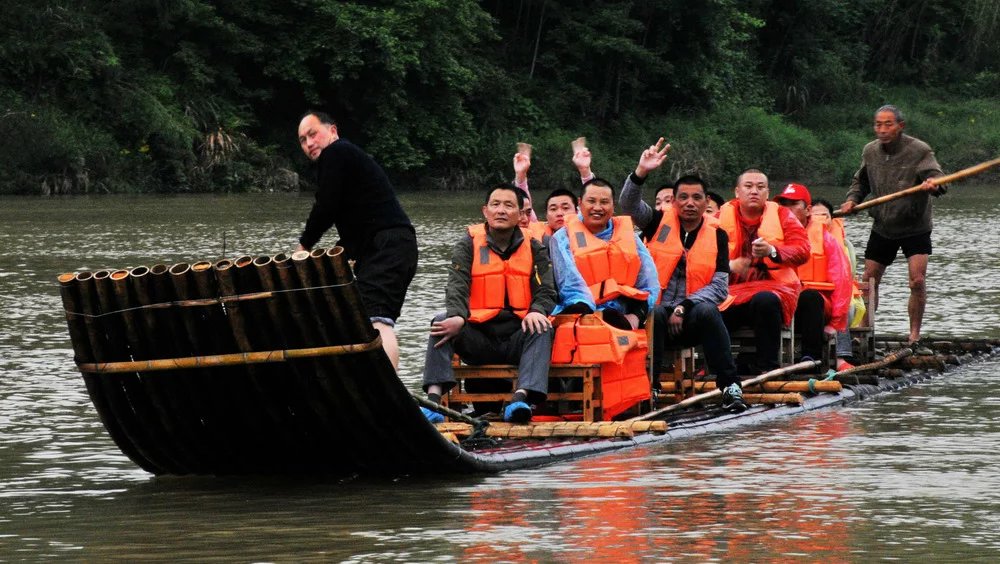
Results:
[201, 266]
[179, 269]
[119, 275]
[66, 278]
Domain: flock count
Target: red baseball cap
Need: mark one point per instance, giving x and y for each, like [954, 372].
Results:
[795, 192]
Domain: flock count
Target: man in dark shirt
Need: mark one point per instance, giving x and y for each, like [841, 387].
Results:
[893, 162]
[354, 193]
[692, 261]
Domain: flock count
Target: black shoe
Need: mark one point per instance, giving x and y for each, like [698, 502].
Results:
[732, 399]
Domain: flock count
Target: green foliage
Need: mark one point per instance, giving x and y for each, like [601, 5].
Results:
[192, 95]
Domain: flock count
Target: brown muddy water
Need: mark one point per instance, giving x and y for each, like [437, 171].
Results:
[908, 476]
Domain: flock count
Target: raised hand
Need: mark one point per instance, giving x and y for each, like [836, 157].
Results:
[652, 158]
[522, 162]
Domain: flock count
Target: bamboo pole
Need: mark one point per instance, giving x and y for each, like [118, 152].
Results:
[825, 386]
[226, 359]
[889, 359]
[545, 430]
[940, 180]
[714, 393]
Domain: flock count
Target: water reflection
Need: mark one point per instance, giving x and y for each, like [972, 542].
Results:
[914, 475]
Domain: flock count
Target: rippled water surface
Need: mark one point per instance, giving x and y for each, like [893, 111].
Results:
[911, 476]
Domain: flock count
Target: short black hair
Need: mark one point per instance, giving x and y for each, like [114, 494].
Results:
[719, 200]
[599, 182]
[562, 192]
[524, 196]
[323, 117]
[671, 187]
[690, 179]
[824, 203]
[751, 170]
[506, 186]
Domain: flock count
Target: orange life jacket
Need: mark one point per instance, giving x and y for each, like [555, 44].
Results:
[587, 339]
[813, 273]
[667, 249]
[498, 283]
[610, 268]
[770, 229]
[539, 230]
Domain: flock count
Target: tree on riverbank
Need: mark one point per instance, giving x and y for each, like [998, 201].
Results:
[192, 95]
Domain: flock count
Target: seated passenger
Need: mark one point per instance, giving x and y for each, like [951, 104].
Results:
[715, 202]
[664, 197]
[822, 211]
[766, 245]
[692, 260]
[498, 298]
[558, 205]
[826, 283]
[600, 264]
[527, 212]
[522, 162]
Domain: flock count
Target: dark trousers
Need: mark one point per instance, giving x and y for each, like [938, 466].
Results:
[809, 322]
[477, 344]
[762, 314]
[703, 326]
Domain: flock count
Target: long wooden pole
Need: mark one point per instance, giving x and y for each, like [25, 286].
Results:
[714, 393]
[946, 179]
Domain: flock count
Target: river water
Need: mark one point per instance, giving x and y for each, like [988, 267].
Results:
[910, 476]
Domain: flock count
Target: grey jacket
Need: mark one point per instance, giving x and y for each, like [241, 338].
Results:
[904, 163]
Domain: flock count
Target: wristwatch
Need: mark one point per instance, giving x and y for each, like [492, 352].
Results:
[774, 252]
[679, 311]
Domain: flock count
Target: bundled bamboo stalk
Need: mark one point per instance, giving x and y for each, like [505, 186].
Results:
[348, 294]
[825, 386]
[69, 288]
[773, 399]
[544, 430]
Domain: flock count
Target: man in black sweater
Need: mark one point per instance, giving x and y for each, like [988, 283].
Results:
[354, 193]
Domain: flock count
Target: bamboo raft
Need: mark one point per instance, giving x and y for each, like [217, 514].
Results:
[264, 365]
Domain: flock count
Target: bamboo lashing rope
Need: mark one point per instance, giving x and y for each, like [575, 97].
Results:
[233, 359]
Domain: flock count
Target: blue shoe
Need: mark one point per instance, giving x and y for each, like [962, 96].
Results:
[517, 412]
[432, 416]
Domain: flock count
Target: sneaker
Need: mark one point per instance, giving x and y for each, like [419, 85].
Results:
[517, 412]
[843, 365]
[732, 399]
[432, 416]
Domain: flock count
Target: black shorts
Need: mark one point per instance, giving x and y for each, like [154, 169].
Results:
[384, 270]
[883, 250]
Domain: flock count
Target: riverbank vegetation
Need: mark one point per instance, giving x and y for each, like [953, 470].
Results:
[199, 96]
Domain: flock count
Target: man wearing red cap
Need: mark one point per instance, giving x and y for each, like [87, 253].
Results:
[826, 279]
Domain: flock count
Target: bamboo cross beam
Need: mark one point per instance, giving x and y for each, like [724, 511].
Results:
[545, 430]
[233, 359]
[940, 180]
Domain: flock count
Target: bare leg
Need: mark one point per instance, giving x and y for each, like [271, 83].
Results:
[389, 343]
[918, 294]
[873, 270]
